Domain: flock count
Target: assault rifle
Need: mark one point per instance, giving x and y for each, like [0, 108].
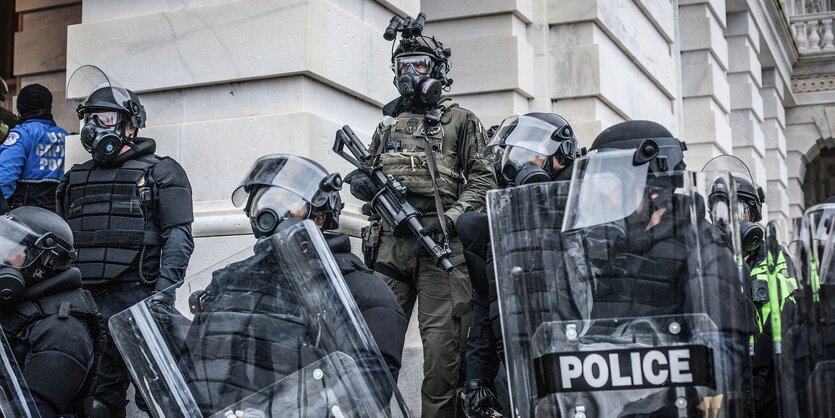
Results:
[390, 202]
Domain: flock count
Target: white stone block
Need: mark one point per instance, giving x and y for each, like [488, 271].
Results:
[486, 26]
[698, 155]
[587, 131]
[742, 24]
[743, 58]
[444, 10]
[796, 164]
[102, 10]
[629, 90]
[776, 166]
[775, 139]
[771, 78]
[509, 60]
[587, 109]
[631, 29]
[702, 76]
[492, 108]
[777, 199]
[716, 7]
[205, 45]
[747, 131]
[801, 138]
[705, 122]
[745, 94]
[662, 14]
[773, 105]
[700, 29]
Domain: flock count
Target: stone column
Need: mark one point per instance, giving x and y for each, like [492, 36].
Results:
[493, 60]
[705, 90]
[774, 125]
[613, 60]
[40, 50]
[745, 79]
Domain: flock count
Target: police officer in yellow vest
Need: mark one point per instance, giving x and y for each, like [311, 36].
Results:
[433, 147]
[773, 279]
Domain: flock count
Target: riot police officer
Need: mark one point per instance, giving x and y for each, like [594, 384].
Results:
[278, 190]
[432, 146]
[130, 212]
[772, 272]
[51, 323]
[32, 156]
[532, 148]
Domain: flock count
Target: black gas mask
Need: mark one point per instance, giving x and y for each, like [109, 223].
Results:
[103, 135]
[720, 212]
[414, 79]
[521, 166]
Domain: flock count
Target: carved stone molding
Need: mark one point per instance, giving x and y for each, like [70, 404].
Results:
[811, 84]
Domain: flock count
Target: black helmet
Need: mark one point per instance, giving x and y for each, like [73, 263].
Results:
[653, 143]
[116, 99]
[530, 144]
[279, 186]
[47, 237]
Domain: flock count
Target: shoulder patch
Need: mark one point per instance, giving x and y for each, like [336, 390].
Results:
[11, 139]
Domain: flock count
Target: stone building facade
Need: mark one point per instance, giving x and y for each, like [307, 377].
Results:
[226, 81]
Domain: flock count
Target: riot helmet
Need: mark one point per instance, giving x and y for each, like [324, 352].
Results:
[33, 242]
[532, 145]
[106, 110]
[420, 63]
[633, 167]
[282, 186]
[749, 199]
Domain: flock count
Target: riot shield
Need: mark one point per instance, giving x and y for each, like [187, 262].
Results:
[635, 307]
[809, 347]
[275, 334]
[15, 398]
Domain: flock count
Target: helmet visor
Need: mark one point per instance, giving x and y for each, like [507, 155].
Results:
[90, 88]
[606, 187]
[284, 203]
[288, 172]
[420, 64]
[530, 133]
[730, 164]
[19, 245]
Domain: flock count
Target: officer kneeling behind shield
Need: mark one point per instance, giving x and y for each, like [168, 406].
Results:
[279, 190]
[51, 324]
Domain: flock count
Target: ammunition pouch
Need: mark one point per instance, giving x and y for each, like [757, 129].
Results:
[371, 243]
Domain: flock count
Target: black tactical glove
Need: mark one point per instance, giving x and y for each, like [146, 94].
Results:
[362, 187]
[436, 232]
[479, 401]
[161, 305]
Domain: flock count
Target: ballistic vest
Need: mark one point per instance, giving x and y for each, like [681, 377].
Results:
[777, 297]
[111, 213]
[404, 155]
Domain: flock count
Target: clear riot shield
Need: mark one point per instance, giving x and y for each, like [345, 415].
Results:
[635, 307]
[15, 398]
[275, 334]
[809, 346]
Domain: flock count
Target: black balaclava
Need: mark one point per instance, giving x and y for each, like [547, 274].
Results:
[34, 102]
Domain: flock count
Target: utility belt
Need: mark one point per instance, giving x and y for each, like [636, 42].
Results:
[131, 282]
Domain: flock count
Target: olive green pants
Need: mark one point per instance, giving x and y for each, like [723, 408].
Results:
[444, 310]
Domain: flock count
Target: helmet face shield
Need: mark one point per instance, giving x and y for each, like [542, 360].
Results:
[514, 159]
[419, 64]
[19, 245]
[296, 174]
[103, 118]
[530, 133]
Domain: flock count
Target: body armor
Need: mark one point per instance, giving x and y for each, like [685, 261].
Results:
[404, 157]
[111, 213]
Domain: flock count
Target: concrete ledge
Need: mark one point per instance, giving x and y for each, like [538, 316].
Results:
[446, 10]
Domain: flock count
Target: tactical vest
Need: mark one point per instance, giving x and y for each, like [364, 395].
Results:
[250, 335]
[777, 297]
[404, 156]
[111, 213]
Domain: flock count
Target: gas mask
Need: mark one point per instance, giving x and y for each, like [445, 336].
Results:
[521, 166]
[414, 78]
[103, 135]
[12, 286]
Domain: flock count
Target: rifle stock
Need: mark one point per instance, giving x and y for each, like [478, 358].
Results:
[390, 203]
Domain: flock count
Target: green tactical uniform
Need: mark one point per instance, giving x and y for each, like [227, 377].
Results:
[445, 300]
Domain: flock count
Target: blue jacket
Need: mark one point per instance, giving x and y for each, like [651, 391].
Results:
[33, 152]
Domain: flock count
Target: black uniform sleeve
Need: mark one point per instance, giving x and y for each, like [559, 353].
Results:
[61, 355]
[60, 194]
[176, 253]
[382, 313]
[175, 214]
